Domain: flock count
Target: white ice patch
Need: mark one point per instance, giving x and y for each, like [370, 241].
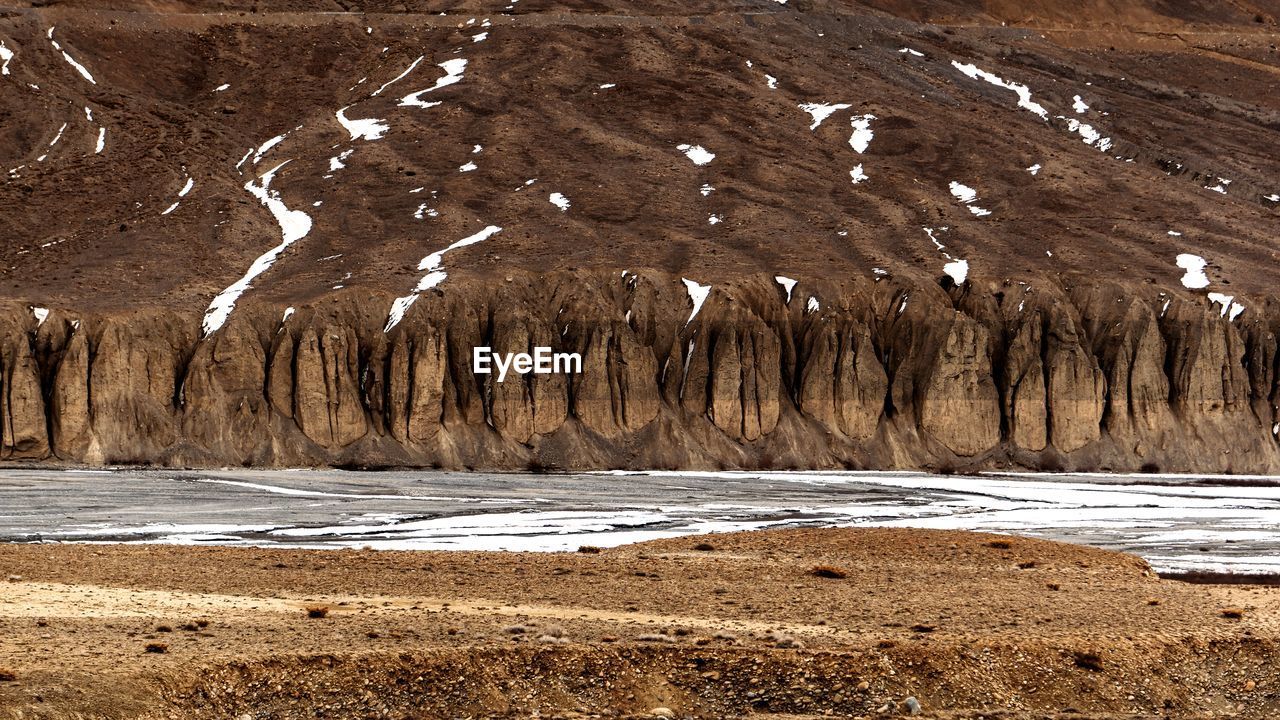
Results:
[5, 55]
[102, 141]
[222, 87]
[468, 167]
[958, 270]
[968, 196]
[435, 274]
[822, 111]
[862, 133]
[1079, 105]
[787, 284]
[706, 189]
[909, 51]
[1024, 93]
[1174, 233]
[363, 129]
[1195, 277]
[294, 225]
[1230, 308]
[453, 70]
[771, 81]
[560, 201]
[41, 314]
[480, 38]
[698, 154]
[1035, 169]
[697, 294]
[288, 313]
[812, 306]
[397, 78]
[608, 86]
[858, 176]
[58, 137]
[1272, 198]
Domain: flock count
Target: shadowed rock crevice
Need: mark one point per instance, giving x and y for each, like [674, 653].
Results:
[864, 373]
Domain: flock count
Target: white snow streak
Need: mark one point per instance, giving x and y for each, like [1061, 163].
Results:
[397, 78]
[435, 274]
[6, 55]
[968, 196]
[294, 225]
[453, 73]
[1230, 309]
[787, 283]
[70, 60]
[1024, 93]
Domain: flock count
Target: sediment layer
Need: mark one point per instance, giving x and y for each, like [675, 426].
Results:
[885, 373]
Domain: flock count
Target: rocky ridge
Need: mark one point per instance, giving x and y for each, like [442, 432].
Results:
[886, 373]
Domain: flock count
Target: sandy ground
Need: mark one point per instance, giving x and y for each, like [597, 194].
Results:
[968, 624]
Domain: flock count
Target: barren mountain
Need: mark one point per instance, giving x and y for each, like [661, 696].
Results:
[805, 233]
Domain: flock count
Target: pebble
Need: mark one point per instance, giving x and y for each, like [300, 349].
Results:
[662, 712]
[912, 706]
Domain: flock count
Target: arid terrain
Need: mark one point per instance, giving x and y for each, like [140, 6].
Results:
[819, 233]
[969, 625]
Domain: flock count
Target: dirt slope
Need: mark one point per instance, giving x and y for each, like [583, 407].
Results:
[952, 307]
[713, 626]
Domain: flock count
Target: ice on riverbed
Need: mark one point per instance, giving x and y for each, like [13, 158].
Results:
[1195, 277]
[433, 264]
[294, 225]
[698, 154]
[821, 111]
[362, 129]
[1024, 93]
[697, 295]
[453, 70]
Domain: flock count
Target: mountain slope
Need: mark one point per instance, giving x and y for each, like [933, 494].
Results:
[1049, 244]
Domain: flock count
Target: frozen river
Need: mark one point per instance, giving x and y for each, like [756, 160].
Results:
[1176, 522]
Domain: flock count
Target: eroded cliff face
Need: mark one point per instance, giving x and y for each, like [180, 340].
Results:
[885, 373]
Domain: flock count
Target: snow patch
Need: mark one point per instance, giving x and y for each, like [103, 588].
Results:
[714, 220]
[560, 201]
[5, 55]
[1230, 309]
[909, 51]
[1079, 105]
[41, 314]
[706, 189]
[968, 196]
[787, 284]
[822, 111]
[1024, 93]
[223, 87]
[468, 167]
[958, 270]
[812, 306]
[1035, 169]
[857, 175]
[362, 129]
[862, 133]
[1195, 277]
[698, 154]
[70, 60]
[698, 295]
